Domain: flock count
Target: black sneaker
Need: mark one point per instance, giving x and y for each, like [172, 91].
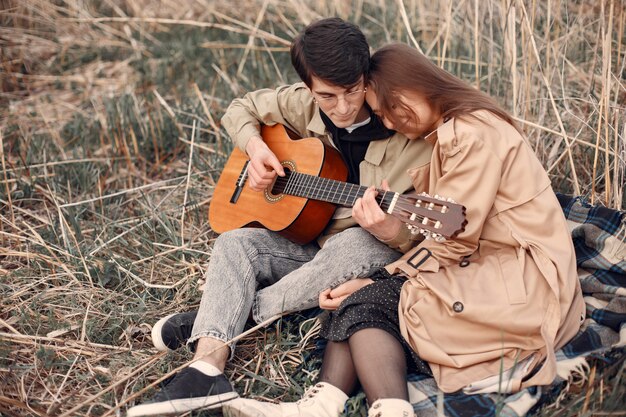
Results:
[173, 331]
[189, 390]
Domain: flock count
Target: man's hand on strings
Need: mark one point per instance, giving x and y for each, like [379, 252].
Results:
[263, 166]
[371, 217]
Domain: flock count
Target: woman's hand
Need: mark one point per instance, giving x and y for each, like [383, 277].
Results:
[370, 216]
[331, 298]
[263, 166]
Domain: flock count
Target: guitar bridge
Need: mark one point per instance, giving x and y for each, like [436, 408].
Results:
[241, 181]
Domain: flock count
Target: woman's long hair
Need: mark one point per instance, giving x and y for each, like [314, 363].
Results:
[398, 68]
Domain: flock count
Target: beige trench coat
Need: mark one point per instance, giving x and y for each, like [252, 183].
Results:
[293, 107]
[518, 295]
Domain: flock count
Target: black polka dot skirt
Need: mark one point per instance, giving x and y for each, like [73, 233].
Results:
[373, 306]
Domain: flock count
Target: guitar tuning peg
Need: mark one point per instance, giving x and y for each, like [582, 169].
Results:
[450, 200]
[414, 230]
[438, 238]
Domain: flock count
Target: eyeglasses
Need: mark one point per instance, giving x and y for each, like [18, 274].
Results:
[331, 101]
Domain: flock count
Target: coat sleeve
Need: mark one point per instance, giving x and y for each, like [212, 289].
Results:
[468, 172]
[403, 241]
[291, 106]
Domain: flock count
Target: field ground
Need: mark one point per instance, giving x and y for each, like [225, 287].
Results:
[110, 144]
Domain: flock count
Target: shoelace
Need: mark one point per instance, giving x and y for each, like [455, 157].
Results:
[310, 393]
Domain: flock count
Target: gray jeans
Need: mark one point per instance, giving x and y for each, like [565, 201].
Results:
[259, 271]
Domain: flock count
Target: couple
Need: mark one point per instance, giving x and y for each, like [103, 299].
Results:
[484, 311]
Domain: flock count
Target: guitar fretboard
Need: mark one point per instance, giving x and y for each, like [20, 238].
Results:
[323, 189]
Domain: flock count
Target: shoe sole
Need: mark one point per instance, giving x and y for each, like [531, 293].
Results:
[182, 405]
[157, 340]
[228, 412]
[231, 409]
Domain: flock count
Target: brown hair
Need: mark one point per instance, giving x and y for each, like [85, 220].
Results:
[397, 67]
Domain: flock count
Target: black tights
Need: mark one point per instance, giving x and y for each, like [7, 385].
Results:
[372, 357]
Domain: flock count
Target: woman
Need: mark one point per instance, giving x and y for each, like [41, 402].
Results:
[482, 312]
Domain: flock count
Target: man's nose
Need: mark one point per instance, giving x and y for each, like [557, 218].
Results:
[342, 104]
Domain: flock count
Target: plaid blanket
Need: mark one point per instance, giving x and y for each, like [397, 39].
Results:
[599, 236]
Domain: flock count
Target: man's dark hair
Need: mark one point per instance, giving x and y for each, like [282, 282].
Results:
[333, 50]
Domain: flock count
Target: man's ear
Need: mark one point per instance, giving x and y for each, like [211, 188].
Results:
[311, 92]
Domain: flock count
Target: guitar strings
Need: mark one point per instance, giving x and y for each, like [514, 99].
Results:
[304, 185]
[334, 191]
[295, 183]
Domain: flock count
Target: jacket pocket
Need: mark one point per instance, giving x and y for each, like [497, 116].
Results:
[512, 276]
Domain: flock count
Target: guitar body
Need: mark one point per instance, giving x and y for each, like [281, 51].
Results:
[298, 219]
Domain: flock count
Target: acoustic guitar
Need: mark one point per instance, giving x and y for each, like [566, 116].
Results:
[300, 204]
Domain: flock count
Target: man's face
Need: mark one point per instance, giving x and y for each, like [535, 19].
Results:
[343, 106]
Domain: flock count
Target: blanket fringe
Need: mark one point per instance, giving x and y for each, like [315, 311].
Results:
[573, 370]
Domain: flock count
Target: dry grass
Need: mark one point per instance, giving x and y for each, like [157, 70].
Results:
[110, 145]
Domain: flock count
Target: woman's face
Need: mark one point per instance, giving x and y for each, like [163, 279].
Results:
[423, 120]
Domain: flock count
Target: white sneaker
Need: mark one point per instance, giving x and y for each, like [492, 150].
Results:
[320, 400]
[391, 407]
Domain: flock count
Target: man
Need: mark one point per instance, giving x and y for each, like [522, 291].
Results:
[256, 270]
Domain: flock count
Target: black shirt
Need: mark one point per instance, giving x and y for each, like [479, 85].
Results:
[353, 146]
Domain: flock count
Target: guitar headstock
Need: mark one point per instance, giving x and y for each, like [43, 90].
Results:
[434, 217]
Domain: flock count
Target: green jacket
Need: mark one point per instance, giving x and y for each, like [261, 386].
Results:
[394, 158]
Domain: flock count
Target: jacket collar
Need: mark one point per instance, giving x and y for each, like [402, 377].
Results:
[445, 129]
[316, 125]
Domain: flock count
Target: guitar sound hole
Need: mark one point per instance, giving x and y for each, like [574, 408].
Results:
[279, 184]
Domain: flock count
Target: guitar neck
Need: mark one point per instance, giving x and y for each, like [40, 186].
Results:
[432, 216]
[323, 189]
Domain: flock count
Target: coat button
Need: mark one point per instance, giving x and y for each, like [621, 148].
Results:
[457, 307]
